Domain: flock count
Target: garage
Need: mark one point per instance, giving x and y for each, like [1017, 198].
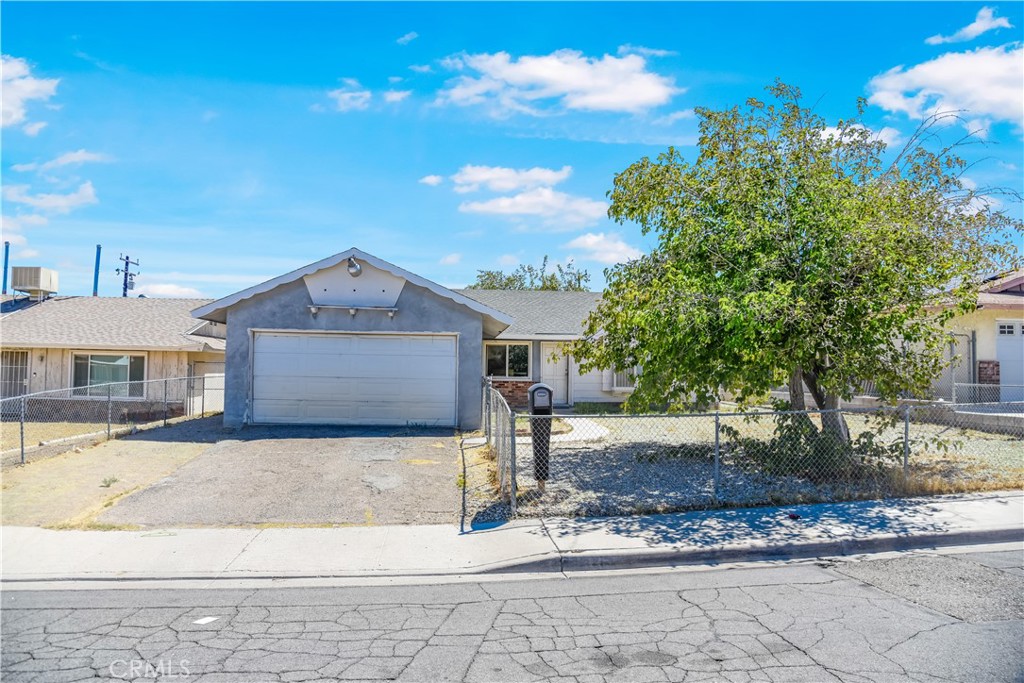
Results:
[353, 340]
[1010, 354]
[354, 379]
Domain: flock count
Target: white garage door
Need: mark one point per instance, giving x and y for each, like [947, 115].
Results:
[354, 379]
[1010, 354]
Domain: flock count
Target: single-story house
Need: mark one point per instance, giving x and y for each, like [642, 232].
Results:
[990, 342]
[75, 342]
[353, 339]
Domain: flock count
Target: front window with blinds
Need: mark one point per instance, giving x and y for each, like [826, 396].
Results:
[623, 379]
[93, 371]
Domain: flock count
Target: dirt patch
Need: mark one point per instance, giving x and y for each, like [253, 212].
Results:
[70, 490]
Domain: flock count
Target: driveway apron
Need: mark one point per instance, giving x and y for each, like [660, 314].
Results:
[268, 476]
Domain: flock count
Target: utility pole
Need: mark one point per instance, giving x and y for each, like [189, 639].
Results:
[129, 277]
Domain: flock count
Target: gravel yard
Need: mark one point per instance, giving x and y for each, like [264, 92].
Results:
[616, 465]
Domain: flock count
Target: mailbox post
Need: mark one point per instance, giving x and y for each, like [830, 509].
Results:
[540, 427]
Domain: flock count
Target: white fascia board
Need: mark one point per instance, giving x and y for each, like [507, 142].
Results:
[216, 311]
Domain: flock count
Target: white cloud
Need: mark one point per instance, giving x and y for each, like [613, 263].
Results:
[396, 95]
[13, 226]
[669, 119]
[508, 260]
[576, 82]
[432, 180]
[56, 203]
[451, 259]
[408, 38]
[19, 88]
[984, 21]
[168, 290]
[76, 158]
[27, 253]
[604, 248]
[32, 129]
[395, 79]
[557, 208]
[887, 134]
[12, 230]
[421, 68]
[499, 179]
[985, 83]
[628, 49]
[352, 96]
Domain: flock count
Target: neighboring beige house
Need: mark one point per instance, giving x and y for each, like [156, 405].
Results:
[990, 342]
[75, 342]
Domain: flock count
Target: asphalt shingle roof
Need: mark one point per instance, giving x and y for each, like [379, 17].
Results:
[558, 314]
[104, 322]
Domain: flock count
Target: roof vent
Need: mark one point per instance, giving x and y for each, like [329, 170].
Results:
[37, 282]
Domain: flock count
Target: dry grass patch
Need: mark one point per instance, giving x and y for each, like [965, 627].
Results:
[68, 492]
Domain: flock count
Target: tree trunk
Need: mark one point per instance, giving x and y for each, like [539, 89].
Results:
[796, 390]
[796, 398]
[832, 422]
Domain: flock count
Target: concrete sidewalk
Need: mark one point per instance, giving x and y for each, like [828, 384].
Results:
[33, 554]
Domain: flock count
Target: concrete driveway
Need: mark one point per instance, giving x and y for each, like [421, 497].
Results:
[269, 476]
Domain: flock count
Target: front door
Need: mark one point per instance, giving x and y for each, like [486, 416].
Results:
[555, 373]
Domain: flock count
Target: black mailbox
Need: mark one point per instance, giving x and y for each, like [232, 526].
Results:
[539, 396]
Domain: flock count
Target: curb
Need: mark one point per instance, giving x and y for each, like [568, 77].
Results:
[583, 561]
[755, 552]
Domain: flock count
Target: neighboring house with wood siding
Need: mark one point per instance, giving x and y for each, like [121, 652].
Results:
[74, 342]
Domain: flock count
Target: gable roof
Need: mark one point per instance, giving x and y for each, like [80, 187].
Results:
[115, 323]
[494, 320]
[539, 314]
[1012, 281]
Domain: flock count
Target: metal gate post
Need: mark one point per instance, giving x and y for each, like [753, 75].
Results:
[165, 401]
[718, 453]
[512, 460]
[202, 399]
[906, 439]
[23, 430]
[109, 410]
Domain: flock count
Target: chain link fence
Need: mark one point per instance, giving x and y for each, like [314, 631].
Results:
[620, 464]
[48, 422]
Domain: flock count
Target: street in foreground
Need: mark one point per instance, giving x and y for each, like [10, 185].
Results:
[912, 617]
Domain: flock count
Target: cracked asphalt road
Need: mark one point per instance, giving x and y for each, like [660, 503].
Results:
[789, 623]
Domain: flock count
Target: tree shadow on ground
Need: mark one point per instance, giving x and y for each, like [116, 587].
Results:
[771, 525]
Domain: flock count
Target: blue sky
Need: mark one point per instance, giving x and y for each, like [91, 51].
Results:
[224, 144]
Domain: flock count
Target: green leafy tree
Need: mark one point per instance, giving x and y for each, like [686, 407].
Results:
[790, 252]
[527, 276]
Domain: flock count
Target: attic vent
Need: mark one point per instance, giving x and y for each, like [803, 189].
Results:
[37, 282]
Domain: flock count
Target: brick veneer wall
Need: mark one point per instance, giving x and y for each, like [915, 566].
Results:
[988, 372]
[514, 391]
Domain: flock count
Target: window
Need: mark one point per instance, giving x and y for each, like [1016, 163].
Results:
[623, 379]
[1006, 329]
[92, 370]
[508, 360]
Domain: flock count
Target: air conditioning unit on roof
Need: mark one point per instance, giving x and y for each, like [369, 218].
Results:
[35, 281]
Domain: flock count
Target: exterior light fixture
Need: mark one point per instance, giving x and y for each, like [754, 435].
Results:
[354, 269]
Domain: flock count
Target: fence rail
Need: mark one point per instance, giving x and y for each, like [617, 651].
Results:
[63, 416]
[623, 464]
